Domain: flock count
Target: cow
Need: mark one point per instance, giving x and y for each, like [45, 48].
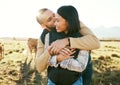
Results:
[31, 52]
[1, 51]
[32, 46]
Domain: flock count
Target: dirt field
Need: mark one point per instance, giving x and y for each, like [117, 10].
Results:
[16, 68]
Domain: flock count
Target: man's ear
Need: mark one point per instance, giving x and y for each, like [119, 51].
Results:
[43, 26]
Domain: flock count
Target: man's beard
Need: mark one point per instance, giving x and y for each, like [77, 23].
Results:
[50, 27]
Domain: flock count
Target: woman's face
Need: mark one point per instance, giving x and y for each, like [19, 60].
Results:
[61, 24]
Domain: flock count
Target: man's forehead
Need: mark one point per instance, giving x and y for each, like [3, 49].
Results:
[48, 13]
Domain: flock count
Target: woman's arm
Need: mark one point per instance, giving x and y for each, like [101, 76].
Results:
[68, 62]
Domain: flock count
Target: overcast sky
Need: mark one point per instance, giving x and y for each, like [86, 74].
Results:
[17, 17]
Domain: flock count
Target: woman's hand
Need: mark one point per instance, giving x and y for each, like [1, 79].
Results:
[65, 53]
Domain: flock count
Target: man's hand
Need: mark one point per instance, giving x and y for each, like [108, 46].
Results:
[58, 45]
[49, 50]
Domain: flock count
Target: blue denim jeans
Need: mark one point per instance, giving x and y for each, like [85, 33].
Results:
[50, 82]
[78, 82]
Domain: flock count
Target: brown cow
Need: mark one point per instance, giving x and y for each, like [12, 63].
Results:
[32, 46]
[1, 51]
[32, 49]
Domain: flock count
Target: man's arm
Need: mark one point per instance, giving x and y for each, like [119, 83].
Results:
[88, 42]
[42, 57]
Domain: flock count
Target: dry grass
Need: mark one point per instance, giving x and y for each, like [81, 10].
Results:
[106, 64]
[15, 68]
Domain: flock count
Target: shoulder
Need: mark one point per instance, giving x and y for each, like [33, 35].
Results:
[42, 36]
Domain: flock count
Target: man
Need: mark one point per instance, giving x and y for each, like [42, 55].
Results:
[46, 18]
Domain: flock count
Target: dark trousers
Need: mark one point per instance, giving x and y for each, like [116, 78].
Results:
[87, 74]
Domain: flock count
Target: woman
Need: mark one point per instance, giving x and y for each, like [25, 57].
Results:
[66, 70]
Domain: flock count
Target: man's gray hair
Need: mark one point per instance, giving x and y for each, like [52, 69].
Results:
[40, 15]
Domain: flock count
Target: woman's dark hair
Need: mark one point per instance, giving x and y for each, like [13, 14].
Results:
[70, 14]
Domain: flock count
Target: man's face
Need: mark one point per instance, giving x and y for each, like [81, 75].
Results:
[49, 19]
